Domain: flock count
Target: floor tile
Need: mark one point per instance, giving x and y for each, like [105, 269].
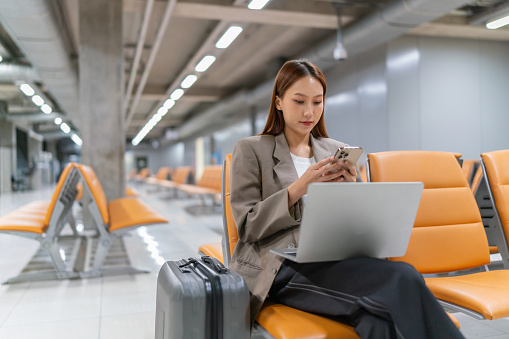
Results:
[133, 326]
[121, 306]
[75, 329]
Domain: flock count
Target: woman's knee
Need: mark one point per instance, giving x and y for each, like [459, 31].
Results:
[406, 272]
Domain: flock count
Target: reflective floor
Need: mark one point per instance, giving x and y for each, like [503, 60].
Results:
[121, 306]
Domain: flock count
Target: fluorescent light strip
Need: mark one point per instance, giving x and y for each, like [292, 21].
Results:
[25, 88]
[169, 104]
[58, 121]
[64, 127]
[46, 109]
[1, 58]
[161, 112]
[188, 81]
[498, 23]
[177, 94]
[205, 63]
[38, 100]
[77, 140]
[257, 4]
[228, 36]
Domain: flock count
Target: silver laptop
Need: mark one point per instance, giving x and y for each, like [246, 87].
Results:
[350, 220]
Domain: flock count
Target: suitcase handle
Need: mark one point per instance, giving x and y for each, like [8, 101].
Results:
[215, 264]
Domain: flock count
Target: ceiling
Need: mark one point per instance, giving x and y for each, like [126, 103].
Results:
[157, 58]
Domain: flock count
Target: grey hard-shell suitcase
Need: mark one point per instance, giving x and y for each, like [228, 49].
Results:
[201, 299]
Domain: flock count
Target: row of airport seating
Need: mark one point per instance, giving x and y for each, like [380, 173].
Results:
[44, 221]
[181, 180]
[448, 241]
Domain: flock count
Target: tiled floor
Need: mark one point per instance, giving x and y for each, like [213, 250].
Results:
[120, 306]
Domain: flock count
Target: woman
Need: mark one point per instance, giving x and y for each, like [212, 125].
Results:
[270, 174]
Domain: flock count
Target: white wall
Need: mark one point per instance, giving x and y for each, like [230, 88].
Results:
[422, 93]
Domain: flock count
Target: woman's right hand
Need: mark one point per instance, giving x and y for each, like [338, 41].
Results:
[322, 171]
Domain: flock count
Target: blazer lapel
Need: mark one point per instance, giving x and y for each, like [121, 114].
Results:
[320, 150]
[284, 168]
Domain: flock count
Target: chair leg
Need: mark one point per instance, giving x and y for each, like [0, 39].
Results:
[496, 232]
[61, 272]
[103, 247]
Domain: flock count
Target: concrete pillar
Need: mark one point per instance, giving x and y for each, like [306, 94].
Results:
[101, 92]
[7, 154]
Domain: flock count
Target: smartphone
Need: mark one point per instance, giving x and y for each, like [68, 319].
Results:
[350, 153]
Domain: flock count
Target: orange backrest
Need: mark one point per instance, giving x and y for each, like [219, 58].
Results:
[477, 179]
[448, 233]
[162, 173]
[180, 175]
[496, 165]
[211, 177]
[467, 167]
[233, 235]
[144, 173]
[96, 190]
[363, 173]
[56, 193]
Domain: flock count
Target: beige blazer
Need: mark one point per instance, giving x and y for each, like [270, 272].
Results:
[261, 171]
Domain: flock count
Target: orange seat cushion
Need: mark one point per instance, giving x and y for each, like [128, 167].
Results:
[22, 225]
[213, 250]
[482, 292]
[284, 322]
[127, 212]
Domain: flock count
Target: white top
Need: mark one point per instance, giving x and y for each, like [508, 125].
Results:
[301, 165]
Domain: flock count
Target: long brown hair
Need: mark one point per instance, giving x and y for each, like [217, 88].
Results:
[292, 71]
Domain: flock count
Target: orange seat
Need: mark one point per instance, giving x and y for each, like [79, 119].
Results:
[469, 167]
[496, 177]
[208, 185]
[143, 174]
[129, 191]
[113, 218]
[212, 250]
[484, 202]
[180, 176]
[448, 234]
[43, 221]
[281, 321]
[162, 174]
[363, 173]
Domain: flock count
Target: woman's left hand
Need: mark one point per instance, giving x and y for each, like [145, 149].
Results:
[349, 175]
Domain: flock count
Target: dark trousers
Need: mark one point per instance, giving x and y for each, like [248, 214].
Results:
[380, 298]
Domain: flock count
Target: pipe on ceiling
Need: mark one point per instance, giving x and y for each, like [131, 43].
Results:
[139, 49]
[153, 53]
[17, 74]
[35, 30]
[375, 29]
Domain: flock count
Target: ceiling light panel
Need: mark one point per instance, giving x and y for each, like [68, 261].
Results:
[38, 100]
[46, 108]
[231, 34]
[205, 63]
[257, 4]
[188, 81]
[176, 94]
[64, 127]
[498, 23]
[27, 89]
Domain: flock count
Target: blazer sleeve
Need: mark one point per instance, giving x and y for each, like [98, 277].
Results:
[255, 218]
